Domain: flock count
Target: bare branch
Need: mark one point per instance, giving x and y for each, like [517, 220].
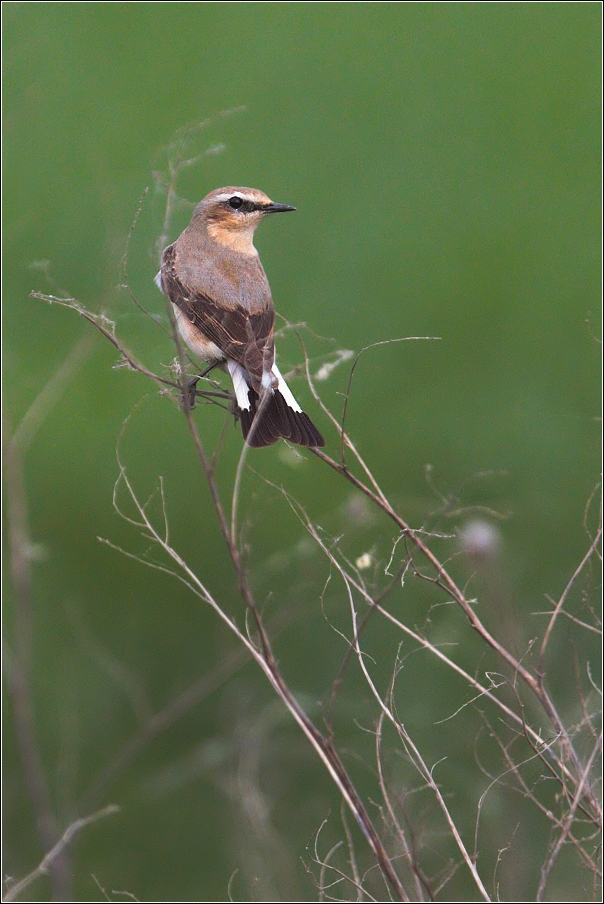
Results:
[558, 755]
[69, 834]
[570, 816]
[22, 553]
[446, 582]
[50, 395]
[562, 600]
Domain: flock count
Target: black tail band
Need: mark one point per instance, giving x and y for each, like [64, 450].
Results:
[277, 420]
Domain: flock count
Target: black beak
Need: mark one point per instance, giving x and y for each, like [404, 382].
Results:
[276, 208]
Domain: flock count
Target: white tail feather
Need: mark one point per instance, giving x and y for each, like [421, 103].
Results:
[240, 384]
[285, 390]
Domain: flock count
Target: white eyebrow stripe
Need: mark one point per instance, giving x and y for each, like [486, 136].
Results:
[234, 194]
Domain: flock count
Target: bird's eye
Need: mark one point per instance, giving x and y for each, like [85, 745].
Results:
[235, 202]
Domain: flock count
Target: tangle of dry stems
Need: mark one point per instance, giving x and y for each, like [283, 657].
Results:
[558, 754]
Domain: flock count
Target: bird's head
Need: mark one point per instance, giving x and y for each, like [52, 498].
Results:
[230, 215]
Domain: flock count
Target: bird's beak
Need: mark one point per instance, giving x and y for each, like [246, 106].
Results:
[276, 208]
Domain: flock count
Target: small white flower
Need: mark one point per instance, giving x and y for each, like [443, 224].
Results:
[480, 540]
[365, 561]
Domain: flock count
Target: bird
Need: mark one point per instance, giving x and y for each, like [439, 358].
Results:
[223, 309]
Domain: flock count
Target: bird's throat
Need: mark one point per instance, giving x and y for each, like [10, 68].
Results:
[240, 240]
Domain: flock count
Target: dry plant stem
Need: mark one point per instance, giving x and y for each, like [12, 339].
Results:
[126, 284]
[548, 865]
[531, 736]
[352, 855]
[342, 424]
[560, 604]
[588, 718]
[322, 862]
[540, 749]
[127, 357]
[375, 604]
[264, 657]
[514, 768]
[577, 621]
[400, 833]
[267, 660]
[178, 161]
[446, 582]
[57, 851]
[19, 683]
[423, 769]
[374, 607]
[325, 865]
[412, 749]
[20, 553]
[175, 165]
[161, 721]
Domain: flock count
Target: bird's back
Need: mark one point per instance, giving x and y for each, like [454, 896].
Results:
[226, 276]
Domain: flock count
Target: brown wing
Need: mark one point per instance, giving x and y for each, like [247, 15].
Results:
[245, 337]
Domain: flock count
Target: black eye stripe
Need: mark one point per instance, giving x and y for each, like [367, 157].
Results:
[237, 203]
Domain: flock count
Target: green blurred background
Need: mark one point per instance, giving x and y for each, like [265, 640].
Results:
[444, 162]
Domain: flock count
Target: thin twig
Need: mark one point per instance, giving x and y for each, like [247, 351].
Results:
[162, 720]
[50, 394]
[22, 553]
[408, 850]
[342, 424]
[45, 865]
[265, 657]
[528, 793]
[569, 770]
[562, 600]
[447, 583]
[548, 865]
[419, 762]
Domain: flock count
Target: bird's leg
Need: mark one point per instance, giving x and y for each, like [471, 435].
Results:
[193, 381]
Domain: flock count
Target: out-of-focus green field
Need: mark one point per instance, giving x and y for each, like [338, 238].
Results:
[444, 162]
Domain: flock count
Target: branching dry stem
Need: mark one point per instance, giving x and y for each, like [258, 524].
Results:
[396, 839]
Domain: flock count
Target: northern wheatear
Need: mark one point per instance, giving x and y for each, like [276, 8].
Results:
[224, 311]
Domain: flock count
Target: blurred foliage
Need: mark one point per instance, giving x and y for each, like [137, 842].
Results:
[444, 161]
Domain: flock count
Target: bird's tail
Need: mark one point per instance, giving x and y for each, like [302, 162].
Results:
[276, 415]
[276, 419]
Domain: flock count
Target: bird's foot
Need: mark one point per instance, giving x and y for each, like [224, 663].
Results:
[191, 389]
[190, 392]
